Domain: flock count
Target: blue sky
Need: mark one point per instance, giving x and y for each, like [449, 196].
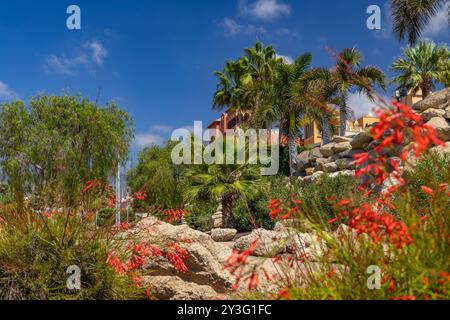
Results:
[157, 58]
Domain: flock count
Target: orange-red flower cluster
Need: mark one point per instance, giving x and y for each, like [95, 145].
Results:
[236, 264]
[276, 210]
[175, 214]
[91, 185]
[140, 196]
[176, 256]
[399, 132]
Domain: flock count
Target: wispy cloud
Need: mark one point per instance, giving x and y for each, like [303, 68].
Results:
[6, 93]
[90, 54]
[439, 23]
[233, 28]
[361, 104]
[287, 59]
[161, 128]
[98, 51]
[143, 140]
[264, 9]
[157, 135]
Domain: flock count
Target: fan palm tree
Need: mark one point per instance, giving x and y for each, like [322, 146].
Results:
[348, 74]
[422, 66]
[411, 16]
[223, 183]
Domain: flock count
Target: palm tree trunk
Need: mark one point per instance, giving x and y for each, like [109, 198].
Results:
[343, 115]
[326, 130]
[293, 153]
[227, 211]
[426, 88]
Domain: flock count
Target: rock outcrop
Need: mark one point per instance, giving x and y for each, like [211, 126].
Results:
[336, 158]
[223, 235]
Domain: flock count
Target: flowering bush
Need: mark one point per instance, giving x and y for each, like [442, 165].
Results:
[37, 249]
[409, 244]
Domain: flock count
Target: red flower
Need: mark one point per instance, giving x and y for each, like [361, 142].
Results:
[405, 298]
[427, 190]
[343, 203]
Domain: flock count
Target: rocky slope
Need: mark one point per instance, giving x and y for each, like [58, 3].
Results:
[337, 157]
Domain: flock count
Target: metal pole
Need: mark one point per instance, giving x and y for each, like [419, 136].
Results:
[118, 198]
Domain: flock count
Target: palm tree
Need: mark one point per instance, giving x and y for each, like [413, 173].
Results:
[411, 16]
[289, 108]
[223, 183]
[243, 83]
[347, 74]
[232, 80]
[322, 94]
[422, 66]
[261, 62]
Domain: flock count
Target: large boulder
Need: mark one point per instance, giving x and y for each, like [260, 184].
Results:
[342, 147]
[346, 173]
[437, 100]
[346, 164]
[361, 139]
[442, 127]
[269, 243]
[320, 162]
[349, 154]
[315, 154]
[303, 161]
[327, 150]
[206, 257]
[223, 235]
[339, 139]
[447, 113]
[429, 114]
[175, 288]
[330, 167]
[311, 179]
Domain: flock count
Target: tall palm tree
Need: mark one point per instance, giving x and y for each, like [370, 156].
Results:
[422, 66]
[411, 16]
[261, 62]
[322, 94]
[243, 83]
[232, 80]
[289, 108]
[348, 74]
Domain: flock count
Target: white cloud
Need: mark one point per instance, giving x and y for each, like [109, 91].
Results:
[92, 53]
[6, 92]
[64, 65]
[157, 135]
[439, 23]
[233, 28]
[361, 104]
[143, 140]
[264, 9]
[287, 59]
[161, 128]
[98, 51]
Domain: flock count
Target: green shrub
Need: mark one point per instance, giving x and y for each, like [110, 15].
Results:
[35, 253]
[430, 171]
[252, 214]
[318, 199]
[199, 215]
